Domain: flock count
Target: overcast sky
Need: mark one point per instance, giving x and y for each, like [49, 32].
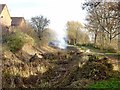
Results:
[58, 11]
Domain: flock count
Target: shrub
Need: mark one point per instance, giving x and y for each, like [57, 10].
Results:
[15, 42]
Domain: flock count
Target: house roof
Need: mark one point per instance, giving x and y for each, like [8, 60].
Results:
[1, 7]
[16, 21]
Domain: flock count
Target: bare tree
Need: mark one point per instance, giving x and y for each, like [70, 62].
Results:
[104, 19]
[39, 23]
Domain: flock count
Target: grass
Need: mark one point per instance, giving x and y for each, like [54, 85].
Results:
[91, 47]
[111, 83]
[97, 49]
[115, 55]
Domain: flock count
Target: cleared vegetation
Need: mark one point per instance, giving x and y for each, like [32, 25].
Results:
[29, 61]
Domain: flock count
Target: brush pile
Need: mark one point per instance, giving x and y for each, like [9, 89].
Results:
[61, 69]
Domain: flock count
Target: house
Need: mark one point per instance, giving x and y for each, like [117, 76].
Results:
[9, 22]
[18, 22]
[5, 18]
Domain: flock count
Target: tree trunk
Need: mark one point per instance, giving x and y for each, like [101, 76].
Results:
[110, 38]
[75, 41]
[95, 39]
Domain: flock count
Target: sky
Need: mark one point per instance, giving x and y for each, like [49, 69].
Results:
[57, 11]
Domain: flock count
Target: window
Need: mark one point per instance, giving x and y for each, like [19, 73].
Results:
[1, 16]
